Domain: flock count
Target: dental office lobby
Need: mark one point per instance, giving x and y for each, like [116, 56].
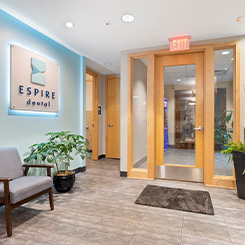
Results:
[156, 89]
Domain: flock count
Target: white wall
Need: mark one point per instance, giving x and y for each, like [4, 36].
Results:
[139, 110]
[124, 90]
[22, 131]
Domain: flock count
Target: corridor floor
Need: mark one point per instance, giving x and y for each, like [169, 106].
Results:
[100, 209]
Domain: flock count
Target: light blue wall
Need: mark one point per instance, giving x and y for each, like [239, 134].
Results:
[22, 131]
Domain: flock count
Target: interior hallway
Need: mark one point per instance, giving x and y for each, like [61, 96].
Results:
[100, 209]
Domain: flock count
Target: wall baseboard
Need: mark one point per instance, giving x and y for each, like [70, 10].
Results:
[123, 174]
[80, 169]
[101, 156]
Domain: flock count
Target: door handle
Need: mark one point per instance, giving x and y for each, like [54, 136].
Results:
[110, 125]
[200, 128]
[87, 127]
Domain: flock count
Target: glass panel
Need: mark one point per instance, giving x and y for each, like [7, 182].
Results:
[140, 113]
[89, 110]
[223, 118]
[179, 115]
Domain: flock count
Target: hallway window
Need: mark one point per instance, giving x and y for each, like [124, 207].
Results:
[140, 113]
[223, 118]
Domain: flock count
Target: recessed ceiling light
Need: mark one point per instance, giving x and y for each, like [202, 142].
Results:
[225, 69]
[231, 58]
[178, 80]
[225, 52]
[69, 24]
[107, 63]
[239, 19]
[128, 18]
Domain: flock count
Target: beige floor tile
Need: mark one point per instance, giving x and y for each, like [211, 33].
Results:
[100, 209]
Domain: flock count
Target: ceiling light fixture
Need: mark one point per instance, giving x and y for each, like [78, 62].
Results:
[231, 58]
[128, 18]
[69, 24]
[225, 52]
[107, 63]
[239, 19]
[178, 80]
[225, 69]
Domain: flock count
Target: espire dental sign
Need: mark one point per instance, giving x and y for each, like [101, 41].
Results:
[33, 81]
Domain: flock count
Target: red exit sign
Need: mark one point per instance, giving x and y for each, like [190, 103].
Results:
[179, 43]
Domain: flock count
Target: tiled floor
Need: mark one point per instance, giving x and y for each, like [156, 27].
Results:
[100, 209]
[187, 157]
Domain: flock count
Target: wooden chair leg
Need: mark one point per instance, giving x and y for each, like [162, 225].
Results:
[8, 221]
[7, 208]
[51, 200]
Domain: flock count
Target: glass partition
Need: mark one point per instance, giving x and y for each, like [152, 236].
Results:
[223, 118]
[179, 114]
[140, 113]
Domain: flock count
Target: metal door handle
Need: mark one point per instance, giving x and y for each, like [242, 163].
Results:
[200, 128]
[87, 127]
[110, 125]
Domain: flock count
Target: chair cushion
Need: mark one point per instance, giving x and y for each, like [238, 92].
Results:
[26, 186]
[10, 163]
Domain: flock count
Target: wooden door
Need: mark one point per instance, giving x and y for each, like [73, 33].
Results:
[186, 161]
[113, 117]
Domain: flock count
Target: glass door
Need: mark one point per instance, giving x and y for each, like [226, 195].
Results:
[183, 130]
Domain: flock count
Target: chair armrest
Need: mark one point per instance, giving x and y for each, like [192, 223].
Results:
[5, 180]
[27, 166]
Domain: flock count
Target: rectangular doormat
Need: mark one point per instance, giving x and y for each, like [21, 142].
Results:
[175, 198]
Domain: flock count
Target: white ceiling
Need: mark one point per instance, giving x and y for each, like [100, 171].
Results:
[155, 22]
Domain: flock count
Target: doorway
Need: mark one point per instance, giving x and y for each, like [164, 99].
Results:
[113, 117]
[183, 117]
[194, 120]
[92, 113]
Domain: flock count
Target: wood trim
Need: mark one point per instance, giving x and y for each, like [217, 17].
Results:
[159, 110]
[130, 117]
[225, 182]
[181, 166]
[95, 145]
[151, 129]
[236, 92]
[138, 173]
[208, 170]
[106, 111]
[236, 96]
[193, 49]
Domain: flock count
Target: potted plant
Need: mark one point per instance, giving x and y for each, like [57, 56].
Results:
[58, 150]
[236, 153]
[222, 133]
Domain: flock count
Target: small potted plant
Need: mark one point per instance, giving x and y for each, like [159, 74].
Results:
[58, 150]
[236, 153]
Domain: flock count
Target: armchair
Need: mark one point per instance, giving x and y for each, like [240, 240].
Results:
[16, 188]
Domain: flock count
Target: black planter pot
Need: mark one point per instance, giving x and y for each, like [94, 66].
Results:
[239, 164]
[64, 183]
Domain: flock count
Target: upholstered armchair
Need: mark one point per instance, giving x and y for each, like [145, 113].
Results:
[16, 188]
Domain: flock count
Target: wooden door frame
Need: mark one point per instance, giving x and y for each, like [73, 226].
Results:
[208, 50]
[95, 155]
[106, 110]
